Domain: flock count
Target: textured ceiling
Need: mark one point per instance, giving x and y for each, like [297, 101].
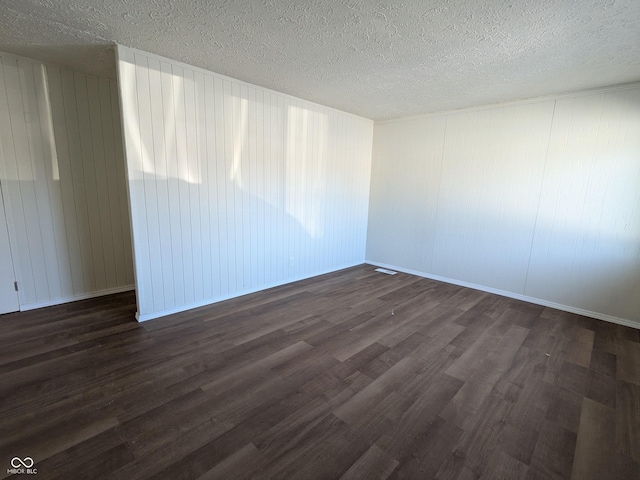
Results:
[378, 59]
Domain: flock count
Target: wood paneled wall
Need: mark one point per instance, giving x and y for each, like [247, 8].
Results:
[537, 200]
[62, 172]
[235, 188]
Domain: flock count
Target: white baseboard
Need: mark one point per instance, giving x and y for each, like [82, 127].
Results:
[203, 303]
[75, 298]
[516, 296]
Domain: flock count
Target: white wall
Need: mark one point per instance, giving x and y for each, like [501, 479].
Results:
[537, 200]
[235, 188]
[62, 173]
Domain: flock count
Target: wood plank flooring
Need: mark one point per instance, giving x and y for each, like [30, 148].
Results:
[351, 375]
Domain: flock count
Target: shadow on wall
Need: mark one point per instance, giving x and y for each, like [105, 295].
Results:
[200, 132]
[232, 187]
[202, 250]
[61, 151]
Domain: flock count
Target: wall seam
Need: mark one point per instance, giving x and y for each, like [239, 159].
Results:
[442, 155]
[544, 171]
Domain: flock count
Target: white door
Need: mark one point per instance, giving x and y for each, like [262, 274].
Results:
[8, 295]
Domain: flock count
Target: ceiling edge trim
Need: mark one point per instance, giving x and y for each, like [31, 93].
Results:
[226, 77]
[28, 59]
[48, 64]
[524, 101]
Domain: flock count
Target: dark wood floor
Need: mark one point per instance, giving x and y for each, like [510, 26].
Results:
[352, 375]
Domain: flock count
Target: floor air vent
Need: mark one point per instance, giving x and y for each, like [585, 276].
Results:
[384, 270]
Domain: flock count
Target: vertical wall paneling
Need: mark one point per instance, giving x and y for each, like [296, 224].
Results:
[20, 181]
[120, 202]
[235, 188]
[135, 174]
[210, 195]
[9, 301]
[203, 191]
[89, 159]
[168, 188]
[586, 250]
[74, 187]
[64, 167]
[95, 210]
[60, 157]
[101, 183]
[111, 200]
[415, 186]
[538, 200]
[9, 175]
[492, 166]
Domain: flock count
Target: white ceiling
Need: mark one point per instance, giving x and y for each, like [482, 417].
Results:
[378, 59]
